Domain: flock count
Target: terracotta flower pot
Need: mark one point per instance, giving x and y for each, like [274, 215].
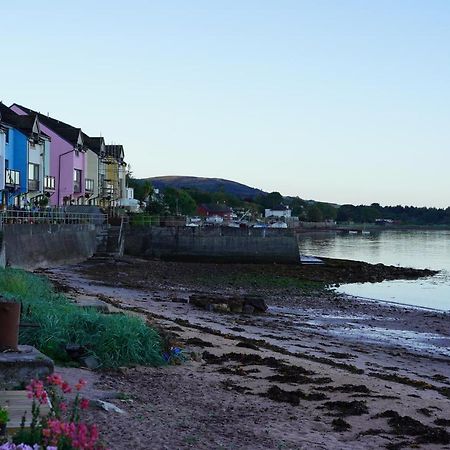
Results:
[9, 325]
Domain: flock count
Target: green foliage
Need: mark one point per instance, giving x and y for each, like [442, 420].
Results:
[142, 219]
[116, 340]
[142, 188]
[405, 214]
[298, 206]
[4, 415]
[179, 201]
[269, 201]
[216, 197]
[313, 213]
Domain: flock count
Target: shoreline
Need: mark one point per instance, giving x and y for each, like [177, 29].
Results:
[276, 374]
[389, 302]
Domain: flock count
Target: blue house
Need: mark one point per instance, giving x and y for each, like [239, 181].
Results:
[22, 139]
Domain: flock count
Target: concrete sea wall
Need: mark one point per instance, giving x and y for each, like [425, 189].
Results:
[29, 246]
[213, 244]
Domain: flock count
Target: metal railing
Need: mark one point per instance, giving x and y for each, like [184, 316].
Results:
[51, 216]
[12, 177]
[33, 185]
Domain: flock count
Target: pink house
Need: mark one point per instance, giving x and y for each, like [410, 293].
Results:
[67, 160]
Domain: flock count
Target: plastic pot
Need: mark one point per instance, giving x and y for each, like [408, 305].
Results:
[9, 325]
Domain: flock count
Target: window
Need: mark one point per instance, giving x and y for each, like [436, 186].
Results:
[89, 185]
[76, 180]
[7, 135]
[33, 177]
[12, 177]
[33, 171]
[49, 183]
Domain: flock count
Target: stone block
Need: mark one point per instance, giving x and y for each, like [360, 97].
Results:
[20, 367]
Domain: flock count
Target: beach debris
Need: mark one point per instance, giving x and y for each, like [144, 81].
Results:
[343, 408]
[107, 406]
[75, 351]
[197, 342]
[245, 344]
[405, 425]
[277, 394]
[340, 424]
[247, 304]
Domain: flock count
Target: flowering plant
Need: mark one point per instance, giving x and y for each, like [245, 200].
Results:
[175, 355]
[61, 428]
[10, 446]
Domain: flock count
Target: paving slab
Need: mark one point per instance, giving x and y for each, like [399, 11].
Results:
[18, 405]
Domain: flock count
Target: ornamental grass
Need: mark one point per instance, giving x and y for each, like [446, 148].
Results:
[114, 339]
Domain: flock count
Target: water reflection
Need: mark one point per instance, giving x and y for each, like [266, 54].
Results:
[419, 249]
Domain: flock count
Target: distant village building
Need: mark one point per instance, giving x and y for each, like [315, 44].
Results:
[384, 221]
[279, 211]
[215, 209]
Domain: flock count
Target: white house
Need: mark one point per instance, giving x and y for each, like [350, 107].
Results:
[279, 211]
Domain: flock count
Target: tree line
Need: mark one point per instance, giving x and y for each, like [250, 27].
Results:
[185, 201]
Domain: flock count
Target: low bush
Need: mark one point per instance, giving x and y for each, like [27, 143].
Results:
[115, 339]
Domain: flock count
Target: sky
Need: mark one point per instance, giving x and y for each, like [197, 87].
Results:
[343, 101]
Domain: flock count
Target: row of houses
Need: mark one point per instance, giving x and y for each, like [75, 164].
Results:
[46, 161]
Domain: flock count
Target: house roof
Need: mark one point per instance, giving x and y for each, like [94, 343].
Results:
[96, 144]
[115, 151]
[216, 208]
[25, 124]
[279, 208]
[67, 132]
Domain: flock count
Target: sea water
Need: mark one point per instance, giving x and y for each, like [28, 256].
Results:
[419, 249]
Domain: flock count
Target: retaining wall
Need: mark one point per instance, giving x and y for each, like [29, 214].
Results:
[213, 244]
[29, 246]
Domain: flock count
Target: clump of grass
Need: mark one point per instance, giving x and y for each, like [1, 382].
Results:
[116, 340]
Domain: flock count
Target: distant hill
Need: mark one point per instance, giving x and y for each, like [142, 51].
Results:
[205, 184]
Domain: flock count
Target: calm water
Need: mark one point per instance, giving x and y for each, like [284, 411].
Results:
[419, 249]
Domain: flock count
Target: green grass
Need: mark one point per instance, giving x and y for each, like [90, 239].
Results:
[115, 339]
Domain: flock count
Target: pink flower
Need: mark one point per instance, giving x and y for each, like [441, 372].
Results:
[81, 384]
[36, 390]
[66, 388]
[84, 403]
[55, 379]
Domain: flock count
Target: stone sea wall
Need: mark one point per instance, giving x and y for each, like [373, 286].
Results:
[29, 246]
[219, 244]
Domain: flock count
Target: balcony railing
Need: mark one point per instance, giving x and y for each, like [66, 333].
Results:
[33, 185]
[89, 185]
[52, 216]
[12, 178]
[49, 183]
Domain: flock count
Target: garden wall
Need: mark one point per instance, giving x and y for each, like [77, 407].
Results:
[29, 246]
[213, 244]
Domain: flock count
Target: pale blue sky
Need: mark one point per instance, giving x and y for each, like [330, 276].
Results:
[341, 101]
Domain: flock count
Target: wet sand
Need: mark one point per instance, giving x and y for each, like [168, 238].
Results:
[318, 370]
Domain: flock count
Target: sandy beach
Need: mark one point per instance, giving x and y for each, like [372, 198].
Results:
[317, 370]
